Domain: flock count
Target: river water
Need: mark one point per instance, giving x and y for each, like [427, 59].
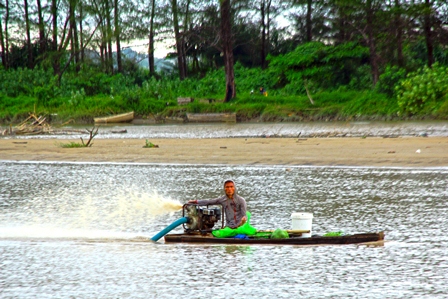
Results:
[81, 230]
[240, 130]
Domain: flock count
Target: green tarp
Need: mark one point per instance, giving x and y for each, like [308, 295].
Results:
[245, 229]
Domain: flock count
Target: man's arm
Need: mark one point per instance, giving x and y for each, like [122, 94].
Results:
[204, 202]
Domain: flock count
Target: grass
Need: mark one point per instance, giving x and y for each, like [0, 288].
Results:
[71, 145]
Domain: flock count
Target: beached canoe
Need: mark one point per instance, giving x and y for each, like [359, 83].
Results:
[118, 118]
[211, 117]
[295, 239]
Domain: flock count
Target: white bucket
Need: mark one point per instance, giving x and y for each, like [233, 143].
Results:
[302, 221]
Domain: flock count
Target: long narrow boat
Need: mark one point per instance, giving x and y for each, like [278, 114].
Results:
[295, 239]
[118, 118]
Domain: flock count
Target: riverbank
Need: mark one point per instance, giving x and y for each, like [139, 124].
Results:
[374, 151]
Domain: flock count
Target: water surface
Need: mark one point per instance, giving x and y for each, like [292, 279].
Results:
[295, 129]
[80, 230]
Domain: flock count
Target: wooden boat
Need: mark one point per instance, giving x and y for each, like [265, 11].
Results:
[295, 239]
[118, 118]
[211, 117]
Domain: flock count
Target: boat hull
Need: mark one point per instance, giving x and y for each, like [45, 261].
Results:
[315, 240]
[119, 118]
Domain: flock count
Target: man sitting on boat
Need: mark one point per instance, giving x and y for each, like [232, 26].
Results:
[234, 205]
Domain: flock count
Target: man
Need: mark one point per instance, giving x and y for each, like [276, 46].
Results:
[234, 205]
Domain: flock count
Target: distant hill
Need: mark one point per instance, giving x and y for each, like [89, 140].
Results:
[161, 65]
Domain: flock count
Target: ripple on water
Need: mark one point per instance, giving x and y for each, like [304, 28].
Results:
[81, 230]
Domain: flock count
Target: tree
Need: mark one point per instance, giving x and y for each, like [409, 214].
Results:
[227, 48]
[151, 39]
[3, 36]
[28, 35]
[117, 36]
[181, 61]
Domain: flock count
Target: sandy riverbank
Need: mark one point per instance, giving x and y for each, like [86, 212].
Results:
[375, 151]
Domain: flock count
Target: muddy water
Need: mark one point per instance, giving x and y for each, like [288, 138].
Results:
[82, 231]
[222, 130]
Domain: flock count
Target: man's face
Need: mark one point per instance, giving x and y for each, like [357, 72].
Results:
[229, 188]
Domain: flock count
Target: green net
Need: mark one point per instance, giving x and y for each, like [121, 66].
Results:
[280, 234]
[245, 229]
[334, 234]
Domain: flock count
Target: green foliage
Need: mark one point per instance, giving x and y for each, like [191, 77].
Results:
[16, 82]
[390, 79]
[94, 82]
[423, 90]
[318, 66]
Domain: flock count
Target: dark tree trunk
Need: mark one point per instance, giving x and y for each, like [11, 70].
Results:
[263, 36]
[183, 43]
[28, 36]
[227, 47]
[81, 42]
[399, 33]
[117, 36]
[41, 25]
[268, 32]
[309, 25]
[428, 32]
[179, 42]
[2, 45]
[371, 42]
[55, 56]
[109, 61]
[151, 40]
[74, 34]
[6, 37]
[340, 24]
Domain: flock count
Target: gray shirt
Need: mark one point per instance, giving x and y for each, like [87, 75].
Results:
[234, 209]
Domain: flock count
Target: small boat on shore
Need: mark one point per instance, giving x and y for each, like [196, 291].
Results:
[211, 117]
[294, 239]
[118, 118]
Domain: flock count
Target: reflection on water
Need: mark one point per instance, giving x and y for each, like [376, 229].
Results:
[81, 231]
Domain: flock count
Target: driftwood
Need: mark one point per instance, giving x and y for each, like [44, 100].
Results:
[309, 95]
[33, 125]
[93, 132]
[37, 125]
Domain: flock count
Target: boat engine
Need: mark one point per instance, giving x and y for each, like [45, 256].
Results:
[202, 218]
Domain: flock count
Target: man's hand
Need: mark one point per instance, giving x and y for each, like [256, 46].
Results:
[243, 220]
[193, 201]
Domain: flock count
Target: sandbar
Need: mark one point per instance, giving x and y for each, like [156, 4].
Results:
[353, 151]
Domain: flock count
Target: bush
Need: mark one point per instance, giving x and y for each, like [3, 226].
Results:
[391, 77]
[423, 89]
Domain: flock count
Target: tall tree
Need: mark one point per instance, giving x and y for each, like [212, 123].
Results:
[2, 36]
[151, 39]
[179, 41]
[398, 20]
[265, 9]
[227, 48]
[110, 64]
[41, 25]
[28, 35]
[427, 29]
[74, 41]
[55, 55]
[371, 40]
[117, 35]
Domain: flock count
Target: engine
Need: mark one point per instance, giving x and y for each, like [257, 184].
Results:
[202, 218]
